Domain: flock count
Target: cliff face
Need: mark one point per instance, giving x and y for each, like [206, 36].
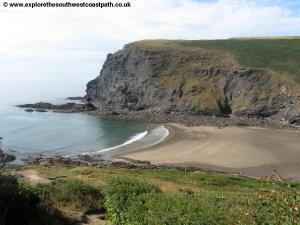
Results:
[169, 77]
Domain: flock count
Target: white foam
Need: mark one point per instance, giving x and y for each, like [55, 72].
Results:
[143, 140]
[133, 139]
[161, 132]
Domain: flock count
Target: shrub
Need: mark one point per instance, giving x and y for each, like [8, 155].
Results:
[120, 193]
[8, 194]
[167, 209]
[278, 206]
[40, 205]
[72, 194]
[18, 204]
[131, 202]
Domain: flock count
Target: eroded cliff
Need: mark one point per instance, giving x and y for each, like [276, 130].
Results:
[167, 76]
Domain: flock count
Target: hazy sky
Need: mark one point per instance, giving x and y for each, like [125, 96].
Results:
[53, 52]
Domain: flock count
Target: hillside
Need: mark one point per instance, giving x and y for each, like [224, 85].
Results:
[257, 78]
[86, 195]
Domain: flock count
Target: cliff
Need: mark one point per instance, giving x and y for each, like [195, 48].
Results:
[242, 78]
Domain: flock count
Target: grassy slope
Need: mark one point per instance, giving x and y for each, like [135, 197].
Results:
[280, 55]
[167, 180]
[221, 191]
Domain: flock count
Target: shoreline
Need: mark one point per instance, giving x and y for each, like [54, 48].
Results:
[251, 151]
[168, 155]
[192, 120]
[253, 161]
[157, 115]
[150, 138]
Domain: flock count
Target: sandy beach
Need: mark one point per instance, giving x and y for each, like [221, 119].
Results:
[243, 150]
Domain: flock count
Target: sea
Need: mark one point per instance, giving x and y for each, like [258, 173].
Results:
[50, 134]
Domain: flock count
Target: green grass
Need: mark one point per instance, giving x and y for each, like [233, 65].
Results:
[279, 55]
[71, 194]
[167, 180]
[131, 202]
[139, 196]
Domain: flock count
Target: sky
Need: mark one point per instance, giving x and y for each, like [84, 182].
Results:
[53, 52]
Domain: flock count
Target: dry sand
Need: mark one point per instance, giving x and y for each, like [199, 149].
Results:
[248, 151]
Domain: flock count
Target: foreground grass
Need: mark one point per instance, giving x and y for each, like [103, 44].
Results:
[166, 196]
[168, 180]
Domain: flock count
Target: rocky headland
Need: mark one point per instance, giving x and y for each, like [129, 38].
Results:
[188, 82]
[193, 83]
[170, 81]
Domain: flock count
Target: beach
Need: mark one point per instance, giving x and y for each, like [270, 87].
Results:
[242, 150]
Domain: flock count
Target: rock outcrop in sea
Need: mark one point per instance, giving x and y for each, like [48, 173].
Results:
[70, 107]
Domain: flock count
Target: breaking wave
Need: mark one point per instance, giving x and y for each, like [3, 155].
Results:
[152, 136]
[133, 139]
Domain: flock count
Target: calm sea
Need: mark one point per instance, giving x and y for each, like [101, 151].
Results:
[71, 134]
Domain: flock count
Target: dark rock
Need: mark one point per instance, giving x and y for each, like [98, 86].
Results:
[184, 81]
[8, 158]
[140, 107]
[295, 121]
[75, 98]
[40, 110]
[122, 163]
[67, 107]
[39, 105]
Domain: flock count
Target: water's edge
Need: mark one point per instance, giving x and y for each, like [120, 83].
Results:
[73, 135]
[155, 134]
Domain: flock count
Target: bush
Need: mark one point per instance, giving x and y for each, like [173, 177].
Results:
[167, 209]
[120, 193]
[278, 206]
[40, 205]
[8, 194]
[131, 202]
[18, 204]
[71, 194]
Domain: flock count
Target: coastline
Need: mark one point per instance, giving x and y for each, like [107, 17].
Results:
[250, 151]
[204, 143]
[152, 136]
[183, 142]
[159, 116]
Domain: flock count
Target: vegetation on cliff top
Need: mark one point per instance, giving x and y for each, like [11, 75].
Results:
[241, 77]
[281, 55]
[198, 71]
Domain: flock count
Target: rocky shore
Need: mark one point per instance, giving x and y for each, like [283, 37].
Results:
[157, 115]
[76, 98]
[71, 107]
[124, 163]
[6, 157]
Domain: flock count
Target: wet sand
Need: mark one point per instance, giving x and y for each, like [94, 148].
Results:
[246, 151]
